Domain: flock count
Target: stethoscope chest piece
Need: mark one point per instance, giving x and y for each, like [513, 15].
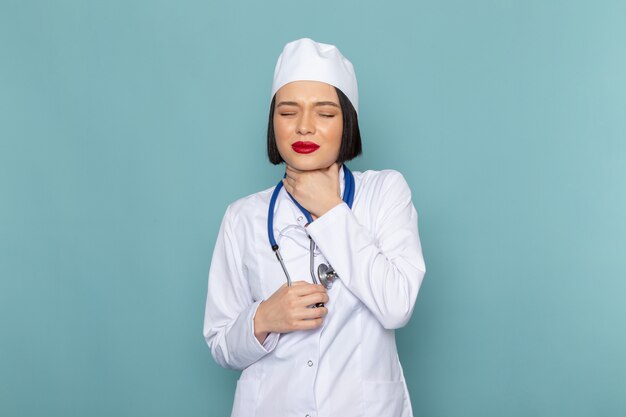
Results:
[327, 275]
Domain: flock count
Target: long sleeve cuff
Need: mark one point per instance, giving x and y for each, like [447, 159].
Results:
[325, 228]
[237, 347]
[271, 340]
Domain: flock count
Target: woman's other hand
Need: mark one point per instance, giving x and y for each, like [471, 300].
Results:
[317, 190]
[288, 309]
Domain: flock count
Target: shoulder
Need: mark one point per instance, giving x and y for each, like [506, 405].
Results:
[382, 181]
[249, 206]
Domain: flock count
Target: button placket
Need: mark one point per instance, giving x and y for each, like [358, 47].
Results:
[301, 220]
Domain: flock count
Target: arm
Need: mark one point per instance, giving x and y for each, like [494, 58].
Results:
[384, 267]
[230, 307]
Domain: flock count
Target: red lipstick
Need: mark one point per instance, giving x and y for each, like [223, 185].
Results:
[304, 147]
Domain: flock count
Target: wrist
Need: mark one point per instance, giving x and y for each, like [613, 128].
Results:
[260, 332]
[331, 205]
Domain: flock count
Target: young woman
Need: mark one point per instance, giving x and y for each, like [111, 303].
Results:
[310, 278]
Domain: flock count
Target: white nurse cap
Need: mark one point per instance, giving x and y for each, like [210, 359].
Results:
[305, 59]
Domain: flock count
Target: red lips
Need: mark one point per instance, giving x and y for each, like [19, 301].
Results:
[304, 147]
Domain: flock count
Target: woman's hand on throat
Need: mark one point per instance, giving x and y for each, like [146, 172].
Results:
[317, 191]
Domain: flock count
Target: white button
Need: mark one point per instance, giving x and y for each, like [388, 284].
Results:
[310, 363]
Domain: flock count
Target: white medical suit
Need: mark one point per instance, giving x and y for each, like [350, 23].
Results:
[349, 366]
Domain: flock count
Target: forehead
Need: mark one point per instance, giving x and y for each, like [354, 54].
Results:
[307, 90]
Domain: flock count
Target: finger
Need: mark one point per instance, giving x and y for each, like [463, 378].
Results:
[313, 299]
[287, 289]
[311, 313]
[308, 289]
[309, 324]
[307, 315]
[293, 288]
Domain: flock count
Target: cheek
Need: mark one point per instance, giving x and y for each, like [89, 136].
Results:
[281, 133]
[333, 133]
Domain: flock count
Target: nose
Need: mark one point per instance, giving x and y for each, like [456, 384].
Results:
[305, 124]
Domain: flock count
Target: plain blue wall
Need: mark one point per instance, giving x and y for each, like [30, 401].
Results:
[127, 127]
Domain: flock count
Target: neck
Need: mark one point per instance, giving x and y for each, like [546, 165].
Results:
[311, 170]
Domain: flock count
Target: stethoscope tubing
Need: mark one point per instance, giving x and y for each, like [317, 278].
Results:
[348, 198]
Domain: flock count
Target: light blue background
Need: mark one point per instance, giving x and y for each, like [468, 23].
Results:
[127, 127]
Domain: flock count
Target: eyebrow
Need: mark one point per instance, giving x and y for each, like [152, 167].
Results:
[319, 103]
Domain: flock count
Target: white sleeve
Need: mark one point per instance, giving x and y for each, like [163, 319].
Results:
[230, 307]
[384, 267]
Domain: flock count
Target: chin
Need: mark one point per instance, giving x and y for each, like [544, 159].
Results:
[302, 164]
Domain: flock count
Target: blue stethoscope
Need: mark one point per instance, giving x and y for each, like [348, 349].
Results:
[326, 273]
